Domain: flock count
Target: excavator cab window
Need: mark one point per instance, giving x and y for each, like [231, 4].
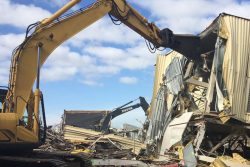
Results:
[24, 120]
[3, 93]
[1, 106]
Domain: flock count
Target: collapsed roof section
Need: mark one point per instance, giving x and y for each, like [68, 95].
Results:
[83, 119]
[223, 74]
[214, 89]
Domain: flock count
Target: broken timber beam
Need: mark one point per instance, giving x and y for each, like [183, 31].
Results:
[197, 83]
[220, 143]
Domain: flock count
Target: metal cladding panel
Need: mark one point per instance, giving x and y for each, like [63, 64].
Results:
[174, 75]
[236, 71]
[162, 62]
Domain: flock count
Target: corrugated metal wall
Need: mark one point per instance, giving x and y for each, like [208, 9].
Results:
[236, 69]
[236, 64]
[162, 61]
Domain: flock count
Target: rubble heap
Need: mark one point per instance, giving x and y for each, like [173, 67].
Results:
[91, 138]
[95, 144]
[200, 108]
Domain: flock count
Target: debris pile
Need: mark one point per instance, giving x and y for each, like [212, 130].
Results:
[91, 138]
[55, 142]
[95, 144]
[199, 113]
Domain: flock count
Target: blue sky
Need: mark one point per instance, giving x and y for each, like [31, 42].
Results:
[105, 65]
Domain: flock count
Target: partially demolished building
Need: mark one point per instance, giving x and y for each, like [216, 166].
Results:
[200, 108]
[203, 105]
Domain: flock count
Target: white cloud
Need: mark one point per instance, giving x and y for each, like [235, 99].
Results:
[104, 49]
[191, 16]
[7, 43]
[136, 57]
[20, 15]
[104, 31]
[92, 83]
[58, 3]
[65, 64]
[95, 63]
[58, 73]
[128, 80]
[4, 74]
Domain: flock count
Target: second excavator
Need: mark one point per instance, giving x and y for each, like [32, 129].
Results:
[105, 122]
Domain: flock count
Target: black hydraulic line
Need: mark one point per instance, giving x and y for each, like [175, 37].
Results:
[44, 120]
[30, 27]
[152, 49]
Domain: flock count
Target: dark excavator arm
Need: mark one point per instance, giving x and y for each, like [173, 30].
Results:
[121, 110]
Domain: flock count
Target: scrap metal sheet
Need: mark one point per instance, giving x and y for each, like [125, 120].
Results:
[174, 131]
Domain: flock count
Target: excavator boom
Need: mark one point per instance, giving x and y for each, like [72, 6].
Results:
[47, 35]
[30, 55]
[52, 33]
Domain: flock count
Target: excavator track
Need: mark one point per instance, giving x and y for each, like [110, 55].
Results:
[9, 161]
[46, 159]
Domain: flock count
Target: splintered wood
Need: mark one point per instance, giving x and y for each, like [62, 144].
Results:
[90, 137]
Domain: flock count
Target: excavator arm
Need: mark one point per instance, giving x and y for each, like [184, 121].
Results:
[121, 110]
[47, 35]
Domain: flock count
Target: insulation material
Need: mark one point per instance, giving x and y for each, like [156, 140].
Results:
[218, 61]
[236, 71]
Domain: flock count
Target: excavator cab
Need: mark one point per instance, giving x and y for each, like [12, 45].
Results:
[23, 126]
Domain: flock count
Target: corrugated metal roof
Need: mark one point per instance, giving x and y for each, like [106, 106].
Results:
[86, 111]
[83, 119]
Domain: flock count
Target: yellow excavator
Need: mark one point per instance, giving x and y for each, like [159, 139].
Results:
[22, 114]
